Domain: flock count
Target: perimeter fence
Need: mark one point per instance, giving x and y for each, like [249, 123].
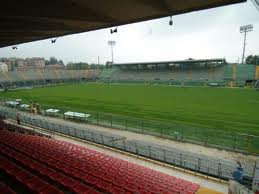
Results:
[244, 143]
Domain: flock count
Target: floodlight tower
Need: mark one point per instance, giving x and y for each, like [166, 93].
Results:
[243, 30]
[112, 44]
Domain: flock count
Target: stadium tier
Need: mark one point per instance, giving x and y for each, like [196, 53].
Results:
[222, 74]
[177, 74]
[31, 75]
[43, 165]
[194, 75]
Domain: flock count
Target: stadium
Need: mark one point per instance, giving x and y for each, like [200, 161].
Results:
[179, 126]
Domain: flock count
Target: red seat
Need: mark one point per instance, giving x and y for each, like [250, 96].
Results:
[46, 171]
[24, 177]
[116, 190]
[108, 178]
[36, 166]
[119, 183]
[90, 179]
[56, 176]
[82, 189]
[12, 169]
[36, 185]
[51, 190]
[103, 185]
[143, 191]
[132, 188]
[94, 192]
[69, 183]
[5, 189]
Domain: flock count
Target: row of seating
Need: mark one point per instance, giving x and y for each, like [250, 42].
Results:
[5, 189]
[20, 129]
[45, 75]
[168, 74]
[77, 169]
[33, 183]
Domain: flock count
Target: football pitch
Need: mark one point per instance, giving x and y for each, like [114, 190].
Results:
[226, 109]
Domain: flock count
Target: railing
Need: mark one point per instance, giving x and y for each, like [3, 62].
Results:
[243, 143]
[219, 168]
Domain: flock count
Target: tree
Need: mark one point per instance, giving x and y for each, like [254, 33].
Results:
[52, 60]
[80, 65]
[60, 62]
[252, 59]
[83, 65]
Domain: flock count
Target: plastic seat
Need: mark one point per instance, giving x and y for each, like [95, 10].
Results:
[116, 190]
[103, 185]
[36, 185]
[5, 189]
[119, 183]
[24, 177]
[131, 188]
[82, 189]
[90, 179]
[143, 191]
[51, 190]
[70, 170]
[154, 189]
[94, 192]
[46, 171]
[69, 183]
[56, 176]
[108, 178]
[14, 170]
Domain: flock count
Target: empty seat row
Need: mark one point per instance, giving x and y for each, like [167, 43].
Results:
[76, 167]
[42, 170]
[33, 183]
[5, 189]
[20, 129]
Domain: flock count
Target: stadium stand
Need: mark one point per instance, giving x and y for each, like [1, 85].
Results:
[43, 77]
[177, 74]
[193, 75]
[106, 73]
[46, 74]
[46, 166]
[211, 75]
[212, 166]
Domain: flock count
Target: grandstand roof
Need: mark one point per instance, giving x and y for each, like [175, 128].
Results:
[30, 20]
[188, 61]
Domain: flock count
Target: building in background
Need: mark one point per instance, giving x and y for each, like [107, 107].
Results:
[11, 62]
[34, 62]
[3, 67]
[18, 64]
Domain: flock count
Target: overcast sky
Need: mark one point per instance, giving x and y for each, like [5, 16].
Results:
[205, 34]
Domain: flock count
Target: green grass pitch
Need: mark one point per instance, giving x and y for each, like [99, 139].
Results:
[224, 109]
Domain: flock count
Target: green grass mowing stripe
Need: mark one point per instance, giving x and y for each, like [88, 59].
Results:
[217, 108]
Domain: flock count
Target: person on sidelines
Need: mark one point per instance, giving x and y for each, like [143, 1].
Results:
[18, 119]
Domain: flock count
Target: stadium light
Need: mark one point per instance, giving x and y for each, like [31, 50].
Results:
[243, 30]
[112, 44]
